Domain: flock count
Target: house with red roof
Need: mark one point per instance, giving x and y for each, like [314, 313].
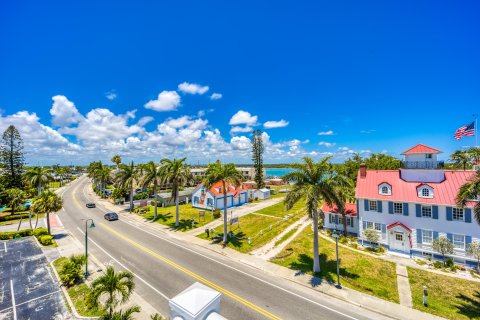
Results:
[414, 205]
[212, 198]
[334, 219]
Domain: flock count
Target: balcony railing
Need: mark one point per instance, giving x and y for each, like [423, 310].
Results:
[422, 164]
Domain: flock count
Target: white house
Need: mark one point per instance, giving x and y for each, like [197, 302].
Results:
[334, 219]
[416, 204]
[260, 194]
[213, 198]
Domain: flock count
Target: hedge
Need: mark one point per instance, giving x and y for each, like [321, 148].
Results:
[13, 234]
[15, 217]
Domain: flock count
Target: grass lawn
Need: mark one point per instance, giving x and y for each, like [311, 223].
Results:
[357, 271]
[448, 297]
[166, 216]
[251, 224]
[286, 236]
[77, 294]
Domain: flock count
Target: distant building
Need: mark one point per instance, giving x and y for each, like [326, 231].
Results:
[213, 198]
[248, 173]
[334, 219]
[260, 194]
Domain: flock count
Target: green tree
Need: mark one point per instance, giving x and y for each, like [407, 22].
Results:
[227, 174]
[474, 153]
[257, 157]
[461, 158]
[314, 183]
[470, 191]
[15, 197]
[474, 251]
[177, 173]
[152, 174]
[116, 159]
[122, 314]
[111, 289]
[125, 177]
[443, 246]
[103, 175]
[12, 158]
[38, 177]
[345, 191]
[372, 236]
[47, 202]
[71, 271]
[156, 316]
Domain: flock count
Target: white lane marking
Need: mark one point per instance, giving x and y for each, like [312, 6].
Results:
[240, 271]
[13, 301]
[45, 295]
[123, 266]
[5, 245]
[51, 276]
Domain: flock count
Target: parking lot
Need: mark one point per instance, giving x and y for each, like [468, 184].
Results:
[28, 289]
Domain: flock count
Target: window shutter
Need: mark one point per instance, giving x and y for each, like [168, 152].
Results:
[435, 234]
[364, 224]
[390, 207]
[365, 202]
[384, 228]
[336, 219]
[468, 215]
[449, 213]
[419, 235]
[405, 209]
[379, 206]
[435, 212]
[450, 237]
[418, 210]
[468, 240]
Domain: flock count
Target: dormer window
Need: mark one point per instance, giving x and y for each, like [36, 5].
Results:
[385, 189]
[425, 191]
[428, 156]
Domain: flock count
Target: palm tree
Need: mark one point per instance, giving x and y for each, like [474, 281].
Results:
[345, 193]
[461, 158]
[227, 174]
[152, 173]
[315, 183]
[175, 172]
[38, 176]
[122, 315]
[116, 159]
[125, 177]
[15, 197]
[47, 202]
[474, 153]
[112, 289]
[470, 191]
[103, 175]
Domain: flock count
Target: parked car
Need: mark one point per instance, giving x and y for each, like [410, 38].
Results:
[90, 205]
[111, 216]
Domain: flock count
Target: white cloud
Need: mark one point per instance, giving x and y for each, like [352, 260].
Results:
[111, 95]
[240, 143]
[64, 112]
[243, 117]
[192, 88]
[275, 124]
[166, 101]
[238, 129]
[326, 144]
[367, 131]
[326, 133]
[216, 96]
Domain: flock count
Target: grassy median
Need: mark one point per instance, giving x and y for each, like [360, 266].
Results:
[357, 271]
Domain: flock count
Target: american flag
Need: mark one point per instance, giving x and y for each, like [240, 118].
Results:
[468, 130]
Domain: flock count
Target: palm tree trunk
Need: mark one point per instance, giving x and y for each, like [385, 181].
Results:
[155, 201]
[316, 260]
[344, 216]
[39, 189]
[20, 223]
[12, 211]
[48, 222]
[225, 217]
[30, 219]
[177, 214]
[131, 199]
[36, 221]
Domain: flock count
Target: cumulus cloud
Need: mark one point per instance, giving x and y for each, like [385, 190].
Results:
[241, 143]
[326, 133]
[192, 88]
[64, 112]
[243, 117]
[111, 95]
[216, 96]
[238, 129]
[367, 131]
[275, 124]
[326, 144]
[166, 101]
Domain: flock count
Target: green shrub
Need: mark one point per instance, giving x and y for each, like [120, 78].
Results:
[217, 214]
[14, 217]
[354, 245]
[40, 232]
[381, 249]
[449, 263]
[140, 196]
[437, 265]
[250, 200]
[329, 233]
[343, 240]
[71, 271]
[14, 234]
[45, 240]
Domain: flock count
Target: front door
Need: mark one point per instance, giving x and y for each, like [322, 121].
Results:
[398, 240]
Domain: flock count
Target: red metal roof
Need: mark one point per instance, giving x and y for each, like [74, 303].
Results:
[393, 225]
[216, 189]
[350, 209]
[421, 148]
[444, 192]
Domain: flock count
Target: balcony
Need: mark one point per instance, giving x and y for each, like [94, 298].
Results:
[421, 164]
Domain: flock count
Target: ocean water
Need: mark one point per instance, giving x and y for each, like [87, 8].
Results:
[277, 172]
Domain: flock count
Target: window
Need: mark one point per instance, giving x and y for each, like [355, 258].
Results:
[378, 226]
[428, 156]
[350, 222]
[195, 200]
[458, 242]
[372, 205]
[340, 220]
[427, 236]
[384, 190]
[426, 211]
[209, 202]
[398, 236]
[369, 225]
[398, 207]
[425, 192]
[331, 218]
[427, 255]
[457, 214]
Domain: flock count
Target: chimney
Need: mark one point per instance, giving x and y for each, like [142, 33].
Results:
[363, 170]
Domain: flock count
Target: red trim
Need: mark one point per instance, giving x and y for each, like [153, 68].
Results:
[393, 225]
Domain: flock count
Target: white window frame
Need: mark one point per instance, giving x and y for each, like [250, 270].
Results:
[331, 218]
[425, 192]
[429, 239]
[397, 205]
[423, 214]
[458, 244]
[378, 226]
[456, 212]
[372, 205]
[340, 219]
[385, 189]
[398, 234]
[369, 224]
[350, 222]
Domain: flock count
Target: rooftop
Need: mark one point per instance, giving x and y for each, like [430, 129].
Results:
[421, 148]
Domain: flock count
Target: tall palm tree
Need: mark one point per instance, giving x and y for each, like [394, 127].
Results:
[314, 182]
[474, 154]
[15, 197]
[116, 159]
[345, 191]
[47, 202]
[111, 289]
[125, 177]
[152, 174]
[38, 177]
[470, 191]
[103, 175]
[227, 174]
[461, 158]
[177, 173]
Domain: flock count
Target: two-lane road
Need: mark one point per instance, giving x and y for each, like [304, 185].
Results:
[165, 266]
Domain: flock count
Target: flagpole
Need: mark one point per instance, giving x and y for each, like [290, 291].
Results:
[476, 131]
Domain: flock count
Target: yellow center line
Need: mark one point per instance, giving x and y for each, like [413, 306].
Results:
[194, 275]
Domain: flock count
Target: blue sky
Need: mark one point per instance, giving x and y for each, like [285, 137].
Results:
[380, 75]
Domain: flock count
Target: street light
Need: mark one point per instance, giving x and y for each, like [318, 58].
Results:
[335, 236]
[92, 225]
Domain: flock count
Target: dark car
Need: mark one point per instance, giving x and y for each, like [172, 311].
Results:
[90, 205]
[111, 216]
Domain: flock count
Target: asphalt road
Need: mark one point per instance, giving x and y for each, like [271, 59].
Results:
[165, 266]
